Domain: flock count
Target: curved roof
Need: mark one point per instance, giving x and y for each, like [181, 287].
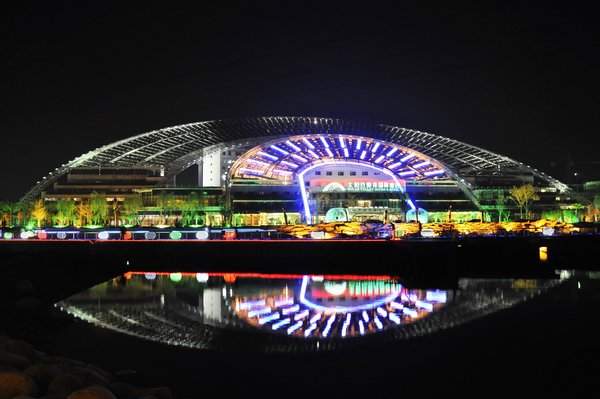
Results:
[175, 148]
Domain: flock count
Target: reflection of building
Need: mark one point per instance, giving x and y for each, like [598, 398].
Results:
[277, 170]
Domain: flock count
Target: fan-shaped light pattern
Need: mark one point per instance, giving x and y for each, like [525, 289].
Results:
[284, 158]
[173, 149]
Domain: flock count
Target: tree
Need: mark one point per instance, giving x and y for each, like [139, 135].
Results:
[65, 209]
[523, 196]
[131, 207]
[84, 212]
[98, 207]
[501, 208]
[116, 206]
[39, 212]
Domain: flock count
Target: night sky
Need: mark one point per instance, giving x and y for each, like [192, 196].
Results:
[520, 80]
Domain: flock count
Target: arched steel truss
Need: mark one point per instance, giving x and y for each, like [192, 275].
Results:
[173, 149]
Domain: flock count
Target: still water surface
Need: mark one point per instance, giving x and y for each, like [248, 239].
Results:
[290, 313]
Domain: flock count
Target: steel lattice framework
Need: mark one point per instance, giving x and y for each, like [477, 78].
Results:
[173, 149]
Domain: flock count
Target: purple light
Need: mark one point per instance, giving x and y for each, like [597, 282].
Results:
[392, 151]
[284, 302]
[281, 323]
[258, 172]
[382, 312]
[328, 326]
[365, 316]
[308, 143]
[325, 143]
[316, 318]
[314, 154]
[358, 144]
[251, 304]
[289, 310]
[294, 146]
[375, 147]
[379, 159]
[436, 296]
[257, 162]
[406, 158]
[410, 312]
[378, 322]
[409, 173]
[434, 172]
[269, 318]
[294, 327]
[346, 153]
[293, 165]
[301, 315]
[284, 152]
[397, 305]
[424, 305]
[361, 327]
[310, 330]
[342, 143]
[421, 164]
[394, 165]
[362, 155]
[329, 152]
[264, 154]
[259, 312]
[394, 317]
[299, 158]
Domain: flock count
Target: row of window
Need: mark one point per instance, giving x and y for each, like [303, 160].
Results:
[340, 173]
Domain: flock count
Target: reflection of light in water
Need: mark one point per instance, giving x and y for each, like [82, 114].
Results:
[157, 313]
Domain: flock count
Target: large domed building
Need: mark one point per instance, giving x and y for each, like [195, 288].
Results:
[273, 170]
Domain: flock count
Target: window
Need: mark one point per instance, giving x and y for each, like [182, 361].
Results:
[365, 173]
[340, 173]
[353, 173]
[329, 173]
[376, 173]
[318, 173]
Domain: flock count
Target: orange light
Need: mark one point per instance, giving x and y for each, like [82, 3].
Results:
[229, 235]
[127, 235]
[42, 235]
[128, 275]
[229, 277]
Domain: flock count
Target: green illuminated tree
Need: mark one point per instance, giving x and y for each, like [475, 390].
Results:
[83, 212]
[98, 207]
[39, 212]
[65, 211]
[503, 214]
[131, 208]
[523, 196]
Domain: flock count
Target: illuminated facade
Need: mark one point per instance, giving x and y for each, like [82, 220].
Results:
[277, 170]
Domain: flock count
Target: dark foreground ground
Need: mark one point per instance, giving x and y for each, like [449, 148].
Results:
[549, 344]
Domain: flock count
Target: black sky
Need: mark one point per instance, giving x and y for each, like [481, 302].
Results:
[520, 79]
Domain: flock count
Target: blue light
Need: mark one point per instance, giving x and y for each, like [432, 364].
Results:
[310, 330]
[294, 327]
[308, 143]
[314, 154]
[293, 165]
[375, 147]
[301, 315]
[284, 302]
[325, 143]
[259, 312]
[362, 155]
[269, 318]
[251, 304]
[254, 171]
[396, 305]
[328, 326]
[281, 323]
[257, 162]
[365, 316]
[284, 152]
[421, 164]
[395, 318]
[358, 144]
[394, 165]
[424, 305]
[329, 152]
[316, 318]
[434, 172]
[289, 310]
[436, 296]
[294, 146]
[346, 153]
[378, 322]
[342, 143]
[264, 154]
[409, 173]
[361, 327]
[406, 158]
[379, 159]
[410, 312]
[299, 158]
[392, 151]
[283, 172]
[382, 312]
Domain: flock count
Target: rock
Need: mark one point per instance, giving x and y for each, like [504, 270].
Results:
[159, 392]
[54, 396]
[23, 397]
[125, 373]
[64, 383]
[15, 360]
[63, 361]
[43, 374]
[147, 397]
[93, 392]
[21, 348]
[108, 376]
[88, 376]
[15, 383]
